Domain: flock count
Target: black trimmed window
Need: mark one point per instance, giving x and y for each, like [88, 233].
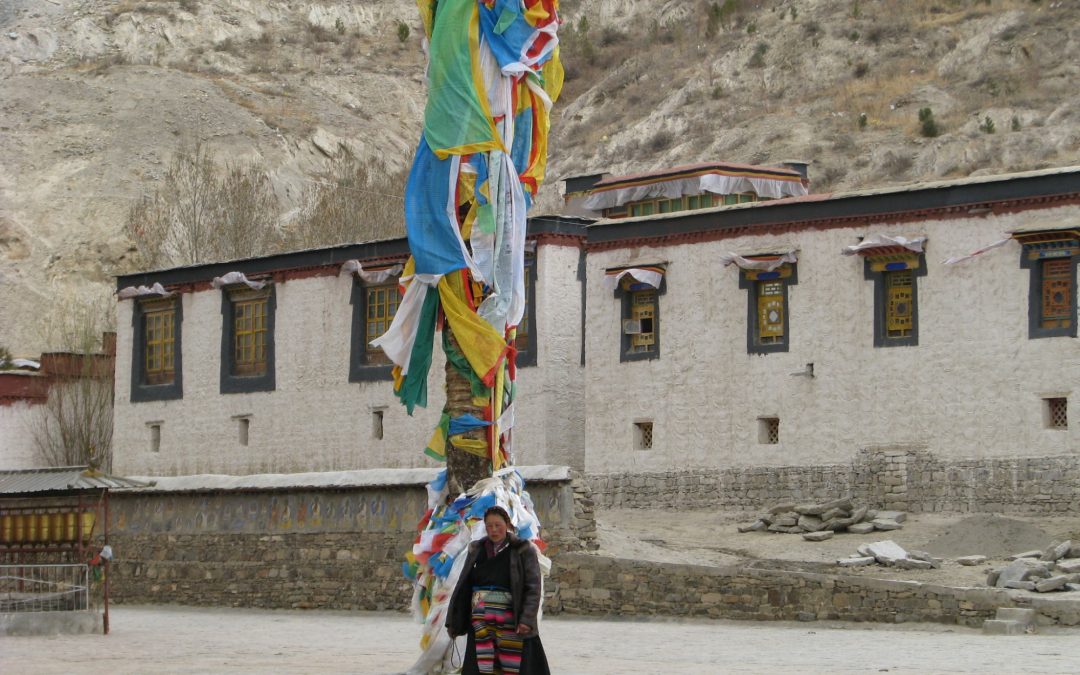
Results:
[374, 308]
[640, 318]
[247, 339]
[896, 295]
[525, 340]
[156, 372]
[767, 327]
[1052, 258]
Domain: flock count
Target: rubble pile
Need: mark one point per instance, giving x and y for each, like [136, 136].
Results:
[817, 522]
[890, 554]
[1055, 569]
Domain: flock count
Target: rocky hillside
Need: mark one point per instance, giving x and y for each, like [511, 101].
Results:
[96, 96]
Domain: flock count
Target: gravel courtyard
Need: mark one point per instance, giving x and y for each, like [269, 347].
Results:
[200, 640]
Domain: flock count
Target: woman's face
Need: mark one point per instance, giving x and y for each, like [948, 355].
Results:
[496, 528]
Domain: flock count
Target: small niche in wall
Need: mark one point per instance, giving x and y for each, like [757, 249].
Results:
[643, 435]
[377, 423]
[155, 435]
[1056, 413]
[768, 430]
[243, 429]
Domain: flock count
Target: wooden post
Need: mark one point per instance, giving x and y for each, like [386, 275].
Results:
[463, 468]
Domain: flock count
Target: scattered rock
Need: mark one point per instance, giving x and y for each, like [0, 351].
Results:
[861, 528]
[886, 552]
[926, 557]
[862, 561]
[1052, 584]
[838, 515]
[898, 516]
[885, 524]
[1068, 565]
[1020, 570]
[1019, 585]
[1057, 551]
[1025, 554]
[971, 560]
[913, 564]
[756, 526]
[818, 536]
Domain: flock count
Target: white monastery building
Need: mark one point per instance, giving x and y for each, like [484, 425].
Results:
[708, 317]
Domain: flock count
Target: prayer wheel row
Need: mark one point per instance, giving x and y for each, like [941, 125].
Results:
[44, 528]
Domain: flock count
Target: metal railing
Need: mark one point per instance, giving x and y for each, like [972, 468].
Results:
[44, 588]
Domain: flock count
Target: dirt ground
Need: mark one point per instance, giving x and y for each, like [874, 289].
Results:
[189, 641]
[711, 538]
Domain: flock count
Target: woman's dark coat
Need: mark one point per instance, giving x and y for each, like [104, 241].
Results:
[524, 587]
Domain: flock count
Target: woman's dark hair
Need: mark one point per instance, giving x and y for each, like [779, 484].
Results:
[501, 512]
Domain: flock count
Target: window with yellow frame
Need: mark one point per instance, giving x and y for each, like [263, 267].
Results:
[896, 297]
[159, 341]
[767, 327]
[381, 305]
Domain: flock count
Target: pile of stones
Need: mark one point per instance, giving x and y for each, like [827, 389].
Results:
[890, 554]
[1055, 569]
[818, 522]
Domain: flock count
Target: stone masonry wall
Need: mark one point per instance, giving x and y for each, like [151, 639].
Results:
[596, 585]
[909, 479]
[332, 549]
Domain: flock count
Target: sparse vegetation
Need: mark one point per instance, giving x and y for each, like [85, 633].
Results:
[757, 59]
[1015, 124]
[987, 126]
[928, 126]
[402, 31]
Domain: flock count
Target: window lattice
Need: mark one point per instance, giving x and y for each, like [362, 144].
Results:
[898, 310]
[160, 340]
[770, 312]
[769, 430]
[249, 331]
[643, 435]
[643, 310]
[382, 305]
[1057, 413]
[1057, 293]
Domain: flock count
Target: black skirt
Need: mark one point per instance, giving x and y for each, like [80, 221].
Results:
[533, 658]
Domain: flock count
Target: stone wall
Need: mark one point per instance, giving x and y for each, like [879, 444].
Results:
[294, 548]
[595, 585]
[909, 479]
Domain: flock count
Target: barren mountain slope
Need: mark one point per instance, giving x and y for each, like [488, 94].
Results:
[96, 95]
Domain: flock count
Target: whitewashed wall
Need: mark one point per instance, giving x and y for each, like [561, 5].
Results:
[16, 442]
[973, 387]
[550, 426]
[316, 420]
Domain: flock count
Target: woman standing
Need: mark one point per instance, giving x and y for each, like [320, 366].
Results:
[496, 601]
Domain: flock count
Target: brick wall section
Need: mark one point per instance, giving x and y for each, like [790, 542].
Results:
[595, 585]
[906, 479]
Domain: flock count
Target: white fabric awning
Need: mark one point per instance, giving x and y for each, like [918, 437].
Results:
[885, 241]
[711, 182]
[134, 292]
[767, 262]
[650, 276]
[371, 276]
[237, 278]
